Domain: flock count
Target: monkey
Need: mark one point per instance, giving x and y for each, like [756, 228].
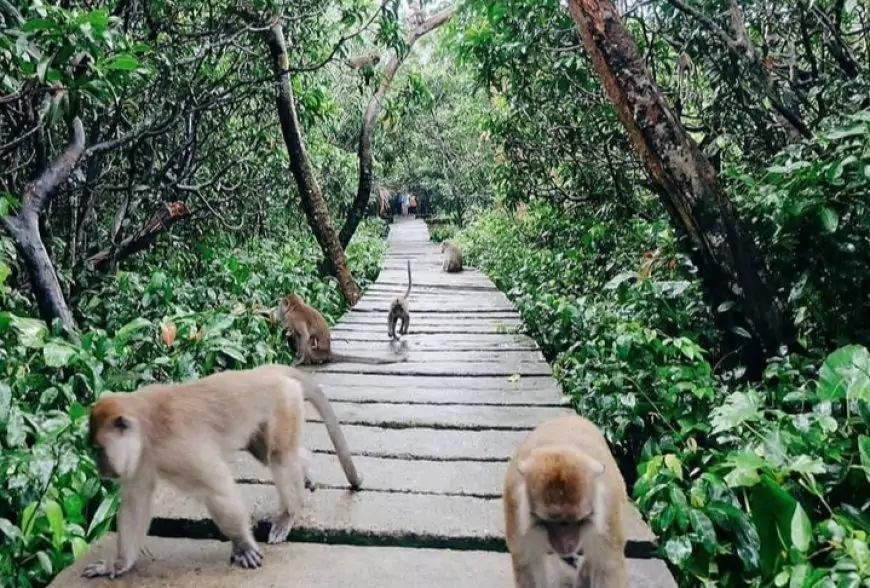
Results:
[399, 310]
[310, 337]
[452, 259]
[371, 59]
[562, 492]
[185, 433]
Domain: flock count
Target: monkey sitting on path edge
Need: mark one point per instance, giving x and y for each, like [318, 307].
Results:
[312, 340]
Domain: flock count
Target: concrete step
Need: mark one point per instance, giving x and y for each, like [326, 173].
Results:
[190, 563]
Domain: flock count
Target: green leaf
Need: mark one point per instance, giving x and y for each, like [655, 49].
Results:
[5, 270]
[37, 24]
[28, 516]
[798, 576]
[122, 62]
[41, 67]
[44, 562]
[846, 374]
[10, 530]
[16, 434]
[57, 355]
[806, 465]
[864, 451]
[678, 549]
[79, 546]
[673, 463]
[31, 332]
[739, 407]
[103, 514]
[54, 514]
[801, 529]
[5, 401]
[748, 543]
[703, 526]
[830, 219]
[127, 330]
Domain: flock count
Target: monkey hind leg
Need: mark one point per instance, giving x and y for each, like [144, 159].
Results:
[225, 504]
[290, 482]
[405, 320]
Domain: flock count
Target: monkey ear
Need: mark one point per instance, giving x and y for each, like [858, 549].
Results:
[596, 466]
[121, 423]
[523, 466]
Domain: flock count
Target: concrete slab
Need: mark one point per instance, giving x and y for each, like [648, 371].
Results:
[443, 416]
[542, 384]
[436, 356]
[188, 563]
[442, 368]
[423, 520]
[496, 326]
[438, 341]
[481, 479]
[430, 396]
[421, 443]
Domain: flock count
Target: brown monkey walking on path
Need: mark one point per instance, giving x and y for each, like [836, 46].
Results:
[185, 433]
[311, 338]
[399, 309]
[563, 492]
[452, 257]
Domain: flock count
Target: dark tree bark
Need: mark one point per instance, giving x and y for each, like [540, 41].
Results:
[728, 260]
[370, 119]
[313, 203]
[24, 229]
[158, 222]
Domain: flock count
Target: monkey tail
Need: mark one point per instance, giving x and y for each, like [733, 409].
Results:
[408, 292]
[313, 393]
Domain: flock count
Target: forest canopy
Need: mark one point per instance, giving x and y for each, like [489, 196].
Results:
[674, 194]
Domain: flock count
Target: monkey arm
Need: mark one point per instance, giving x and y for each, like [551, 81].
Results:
[134, 518]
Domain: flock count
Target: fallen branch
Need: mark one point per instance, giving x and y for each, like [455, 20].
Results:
[161, 220]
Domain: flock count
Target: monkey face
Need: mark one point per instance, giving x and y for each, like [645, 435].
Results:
[115, 439]
[562, 492]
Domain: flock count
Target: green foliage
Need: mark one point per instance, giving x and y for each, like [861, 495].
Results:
[744, 483]
[174, 318]
[811, 204]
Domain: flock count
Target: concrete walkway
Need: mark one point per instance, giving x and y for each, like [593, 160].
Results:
[431, 438]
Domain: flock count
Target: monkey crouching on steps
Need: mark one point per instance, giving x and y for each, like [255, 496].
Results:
[311, 338]
[400, 309]
[563, 492]
[451, 257]
[185, 433]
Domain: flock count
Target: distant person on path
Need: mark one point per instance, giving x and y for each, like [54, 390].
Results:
[413, 206]
[406, 202]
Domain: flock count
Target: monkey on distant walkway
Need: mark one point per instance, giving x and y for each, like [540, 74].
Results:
[563, 492]
[185, 433]
[399, 309]
[452, 257]
[311, 338]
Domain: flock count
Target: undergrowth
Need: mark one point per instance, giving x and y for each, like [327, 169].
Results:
[759, 484]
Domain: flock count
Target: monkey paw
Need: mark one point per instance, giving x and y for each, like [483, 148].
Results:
[247, 556]
[309, 484]
[101, 569]
[282, 524]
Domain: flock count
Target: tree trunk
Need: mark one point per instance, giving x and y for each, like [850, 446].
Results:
[313, 203]
[370, 118]
[24, 229]
[729, 262]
